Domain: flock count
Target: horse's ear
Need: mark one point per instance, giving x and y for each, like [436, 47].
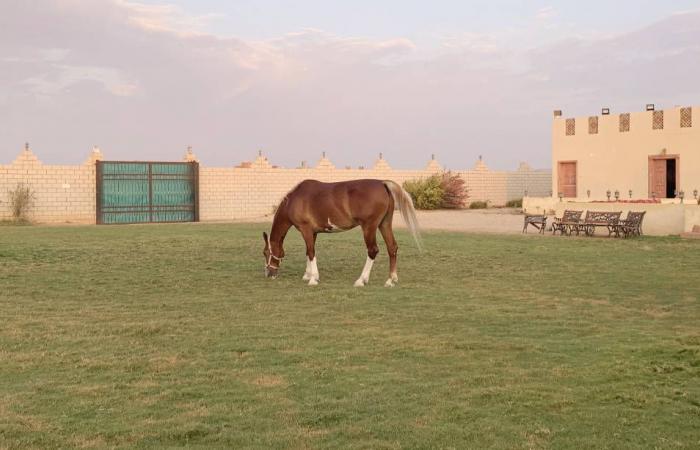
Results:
[265, 237]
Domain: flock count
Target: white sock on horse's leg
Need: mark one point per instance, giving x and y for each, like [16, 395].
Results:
[313, 281]
[307, 272]
[364, 278]
[393, 279]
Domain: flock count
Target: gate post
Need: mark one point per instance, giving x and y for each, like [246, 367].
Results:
[98, 192]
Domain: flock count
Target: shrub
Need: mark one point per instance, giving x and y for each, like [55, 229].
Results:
[517, 203]
[454, 193]
[21, 201]
[478, 205]
[438, 191]
[427, 193]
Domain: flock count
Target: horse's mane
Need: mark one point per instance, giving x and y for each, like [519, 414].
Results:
[285, 199]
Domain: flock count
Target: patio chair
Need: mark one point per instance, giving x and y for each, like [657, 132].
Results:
[632, 225]
[568, 223]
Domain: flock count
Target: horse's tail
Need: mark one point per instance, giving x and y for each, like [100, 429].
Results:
[404, 202]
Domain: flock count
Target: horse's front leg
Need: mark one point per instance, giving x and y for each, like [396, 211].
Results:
[311, 267]
[370, 234]
[307, 272]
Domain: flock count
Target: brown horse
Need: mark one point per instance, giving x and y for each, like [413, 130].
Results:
[313, 207]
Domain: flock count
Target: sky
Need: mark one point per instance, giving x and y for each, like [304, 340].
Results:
[407, 78]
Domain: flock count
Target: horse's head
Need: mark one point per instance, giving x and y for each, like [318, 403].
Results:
[273, 253]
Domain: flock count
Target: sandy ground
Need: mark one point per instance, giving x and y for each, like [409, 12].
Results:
[501, 221]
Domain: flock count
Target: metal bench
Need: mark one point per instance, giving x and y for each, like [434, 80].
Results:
[567, 223]
[594, 219]
[631, 226]
[539, 221]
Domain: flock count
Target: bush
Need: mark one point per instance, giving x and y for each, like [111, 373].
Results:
[478, 205]
[21, 201]
[454, 193]
[438, 191]
[427, 193]
[517, 203]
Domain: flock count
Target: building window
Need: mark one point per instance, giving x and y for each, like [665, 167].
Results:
[624, 123]
[593, 125]
[686, 117]
[658, 122]
[570, 127]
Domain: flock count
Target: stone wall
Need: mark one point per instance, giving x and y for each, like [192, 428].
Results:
[254, 190]
[248, 191]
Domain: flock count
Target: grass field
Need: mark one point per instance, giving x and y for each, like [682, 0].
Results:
[161, 336]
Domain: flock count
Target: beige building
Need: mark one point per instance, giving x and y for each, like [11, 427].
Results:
[642, 155]
[644, 161]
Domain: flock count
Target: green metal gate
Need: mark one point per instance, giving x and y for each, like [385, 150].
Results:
[141, 192]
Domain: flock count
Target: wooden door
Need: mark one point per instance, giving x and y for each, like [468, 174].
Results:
[567, 179]
[657, 175]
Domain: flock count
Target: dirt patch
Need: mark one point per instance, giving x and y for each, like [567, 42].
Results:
[269, 381]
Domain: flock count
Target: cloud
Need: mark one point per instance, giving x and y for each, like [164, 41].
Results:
[145, 81]
[169, 18]
[546, 13]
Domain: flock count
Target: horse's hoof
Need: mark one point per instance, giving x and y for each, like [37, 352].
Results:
[313, 282]
[306, 277]
[389, 283]
[359, 283]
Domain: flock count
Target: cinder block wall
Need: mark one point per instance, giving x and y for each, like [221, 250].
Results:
[61, 193]
[252, 190]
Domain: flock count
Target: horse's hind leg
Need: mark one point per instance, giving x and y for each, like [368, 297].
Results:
[370, 235]
[392, 248]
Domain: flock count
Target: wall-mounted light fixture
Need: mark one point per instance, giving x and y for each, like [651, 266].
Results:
[617, 195]
[681, 194]
[630, 192]
[588, 193]
[561, 197]
[608, 194]
[695, 194]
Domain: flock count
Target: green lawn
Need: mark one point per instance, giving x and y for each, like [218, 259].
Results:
[161, 336]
